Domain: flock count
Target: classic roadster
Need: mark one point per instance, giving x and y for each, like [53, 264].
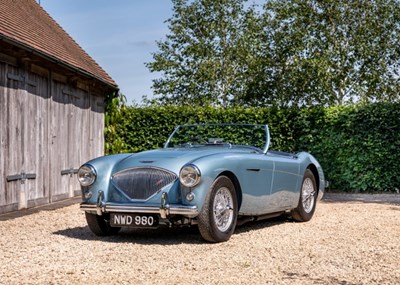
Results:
[215, 176]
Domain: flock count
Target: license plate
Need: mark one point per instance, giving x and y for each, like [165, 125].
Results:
[133, 220]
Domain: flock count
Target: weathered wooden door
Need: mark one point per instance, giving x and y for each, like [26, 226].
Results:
[78, 135]
[10, 154]
[70, 136]
[96, 135]
[23, 141]
[49, 126]
[59, 163]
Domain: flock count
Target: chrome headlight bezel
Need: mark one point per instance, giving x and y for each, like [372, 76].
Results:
[190, 175]
[87, 175]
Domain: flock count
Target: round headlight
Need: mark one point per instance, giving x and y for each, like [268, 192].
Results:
[189, 175]
[86, 175]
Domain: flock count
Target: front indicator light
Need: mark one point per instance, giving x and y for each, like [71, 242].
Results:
[190, 196]
[88, 195]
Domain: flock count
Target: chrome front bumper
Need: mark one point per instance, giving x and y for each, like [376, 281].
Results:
[164, 209]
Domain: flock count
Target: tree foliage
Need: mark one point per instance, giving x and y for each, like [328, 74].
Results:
[333, 52]
[204, 58]
[299, 52]
[115, 109]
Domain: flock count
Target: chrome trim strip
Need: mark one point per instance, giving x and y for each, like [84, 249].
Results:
[164, 208]
[164, 211]
[100, 204]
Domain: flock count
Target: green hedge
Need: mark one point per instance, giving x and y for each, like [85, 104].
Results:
[356, 145]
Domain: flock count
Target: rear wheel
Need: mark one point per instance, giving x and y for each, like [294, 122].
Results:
[99, 225]
[217, 219]
[308, 198]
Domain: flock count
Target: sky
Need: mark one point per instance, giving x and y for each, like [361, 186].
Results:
[119, 35]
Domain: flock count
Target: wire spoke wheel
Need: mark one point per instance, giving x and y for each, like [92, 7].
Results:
[223, 209]
[307, 201]
[308, 192]
[217, 219]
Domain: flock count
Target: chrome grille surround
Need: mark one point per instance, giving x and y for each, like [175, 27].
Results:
[141, 183]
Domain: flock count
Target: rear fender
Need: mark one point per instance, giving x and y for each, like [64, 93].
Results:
[310, 162]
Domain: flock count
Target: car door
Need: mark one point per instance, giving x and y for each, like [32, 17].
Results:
[256, 179]
[268, 184]
[284, 193]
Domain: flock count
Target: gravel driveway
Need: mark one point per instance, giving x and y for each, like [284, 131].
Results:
[351, 240]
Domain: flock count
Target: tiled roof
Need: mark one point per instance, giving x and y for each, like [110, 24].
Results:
[26, 23]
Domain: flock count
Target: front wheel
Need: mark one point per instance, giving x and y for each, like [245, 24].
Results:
[99, 225]
[217, 219]
[308, 198]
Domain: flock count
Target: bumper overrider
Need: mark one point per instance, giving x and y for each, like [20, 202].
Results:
[163, 209]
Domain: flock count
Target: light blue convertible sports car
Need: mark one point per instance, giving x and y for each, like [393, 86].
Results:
[215, 176]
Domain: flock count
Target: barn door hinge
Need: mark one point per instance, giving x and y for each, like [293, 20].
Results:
[22, 177]
[69, 171]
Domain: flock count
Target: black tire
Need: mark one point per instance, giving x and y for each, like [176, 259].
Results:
[99, 225]
[217, 219]
[308, 198]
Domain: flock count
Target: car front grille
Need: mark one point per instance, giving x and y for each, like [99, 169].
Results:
[143, 182]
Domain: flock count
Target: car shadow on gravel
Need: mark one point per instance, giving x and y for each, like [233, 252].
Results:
[162, 236]
[262, 224]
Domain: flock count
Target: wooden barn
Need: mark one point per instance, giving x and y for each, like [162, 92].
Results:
[52, 97]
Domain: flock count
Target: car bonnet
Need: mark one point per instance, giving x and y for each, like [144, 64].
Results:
[170, 159]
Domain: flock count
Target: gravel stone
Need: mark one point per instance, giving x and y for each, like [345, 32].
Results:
[346, 242]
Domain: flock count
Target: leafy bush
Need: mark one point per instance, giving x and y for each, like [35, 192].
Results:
[356, 145]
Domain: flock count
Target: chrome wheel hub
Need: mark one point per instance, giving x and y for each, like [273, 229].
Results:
[223, 209]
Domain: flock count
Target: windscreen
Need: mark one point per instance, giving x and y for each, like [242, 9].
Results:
[230, 135]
